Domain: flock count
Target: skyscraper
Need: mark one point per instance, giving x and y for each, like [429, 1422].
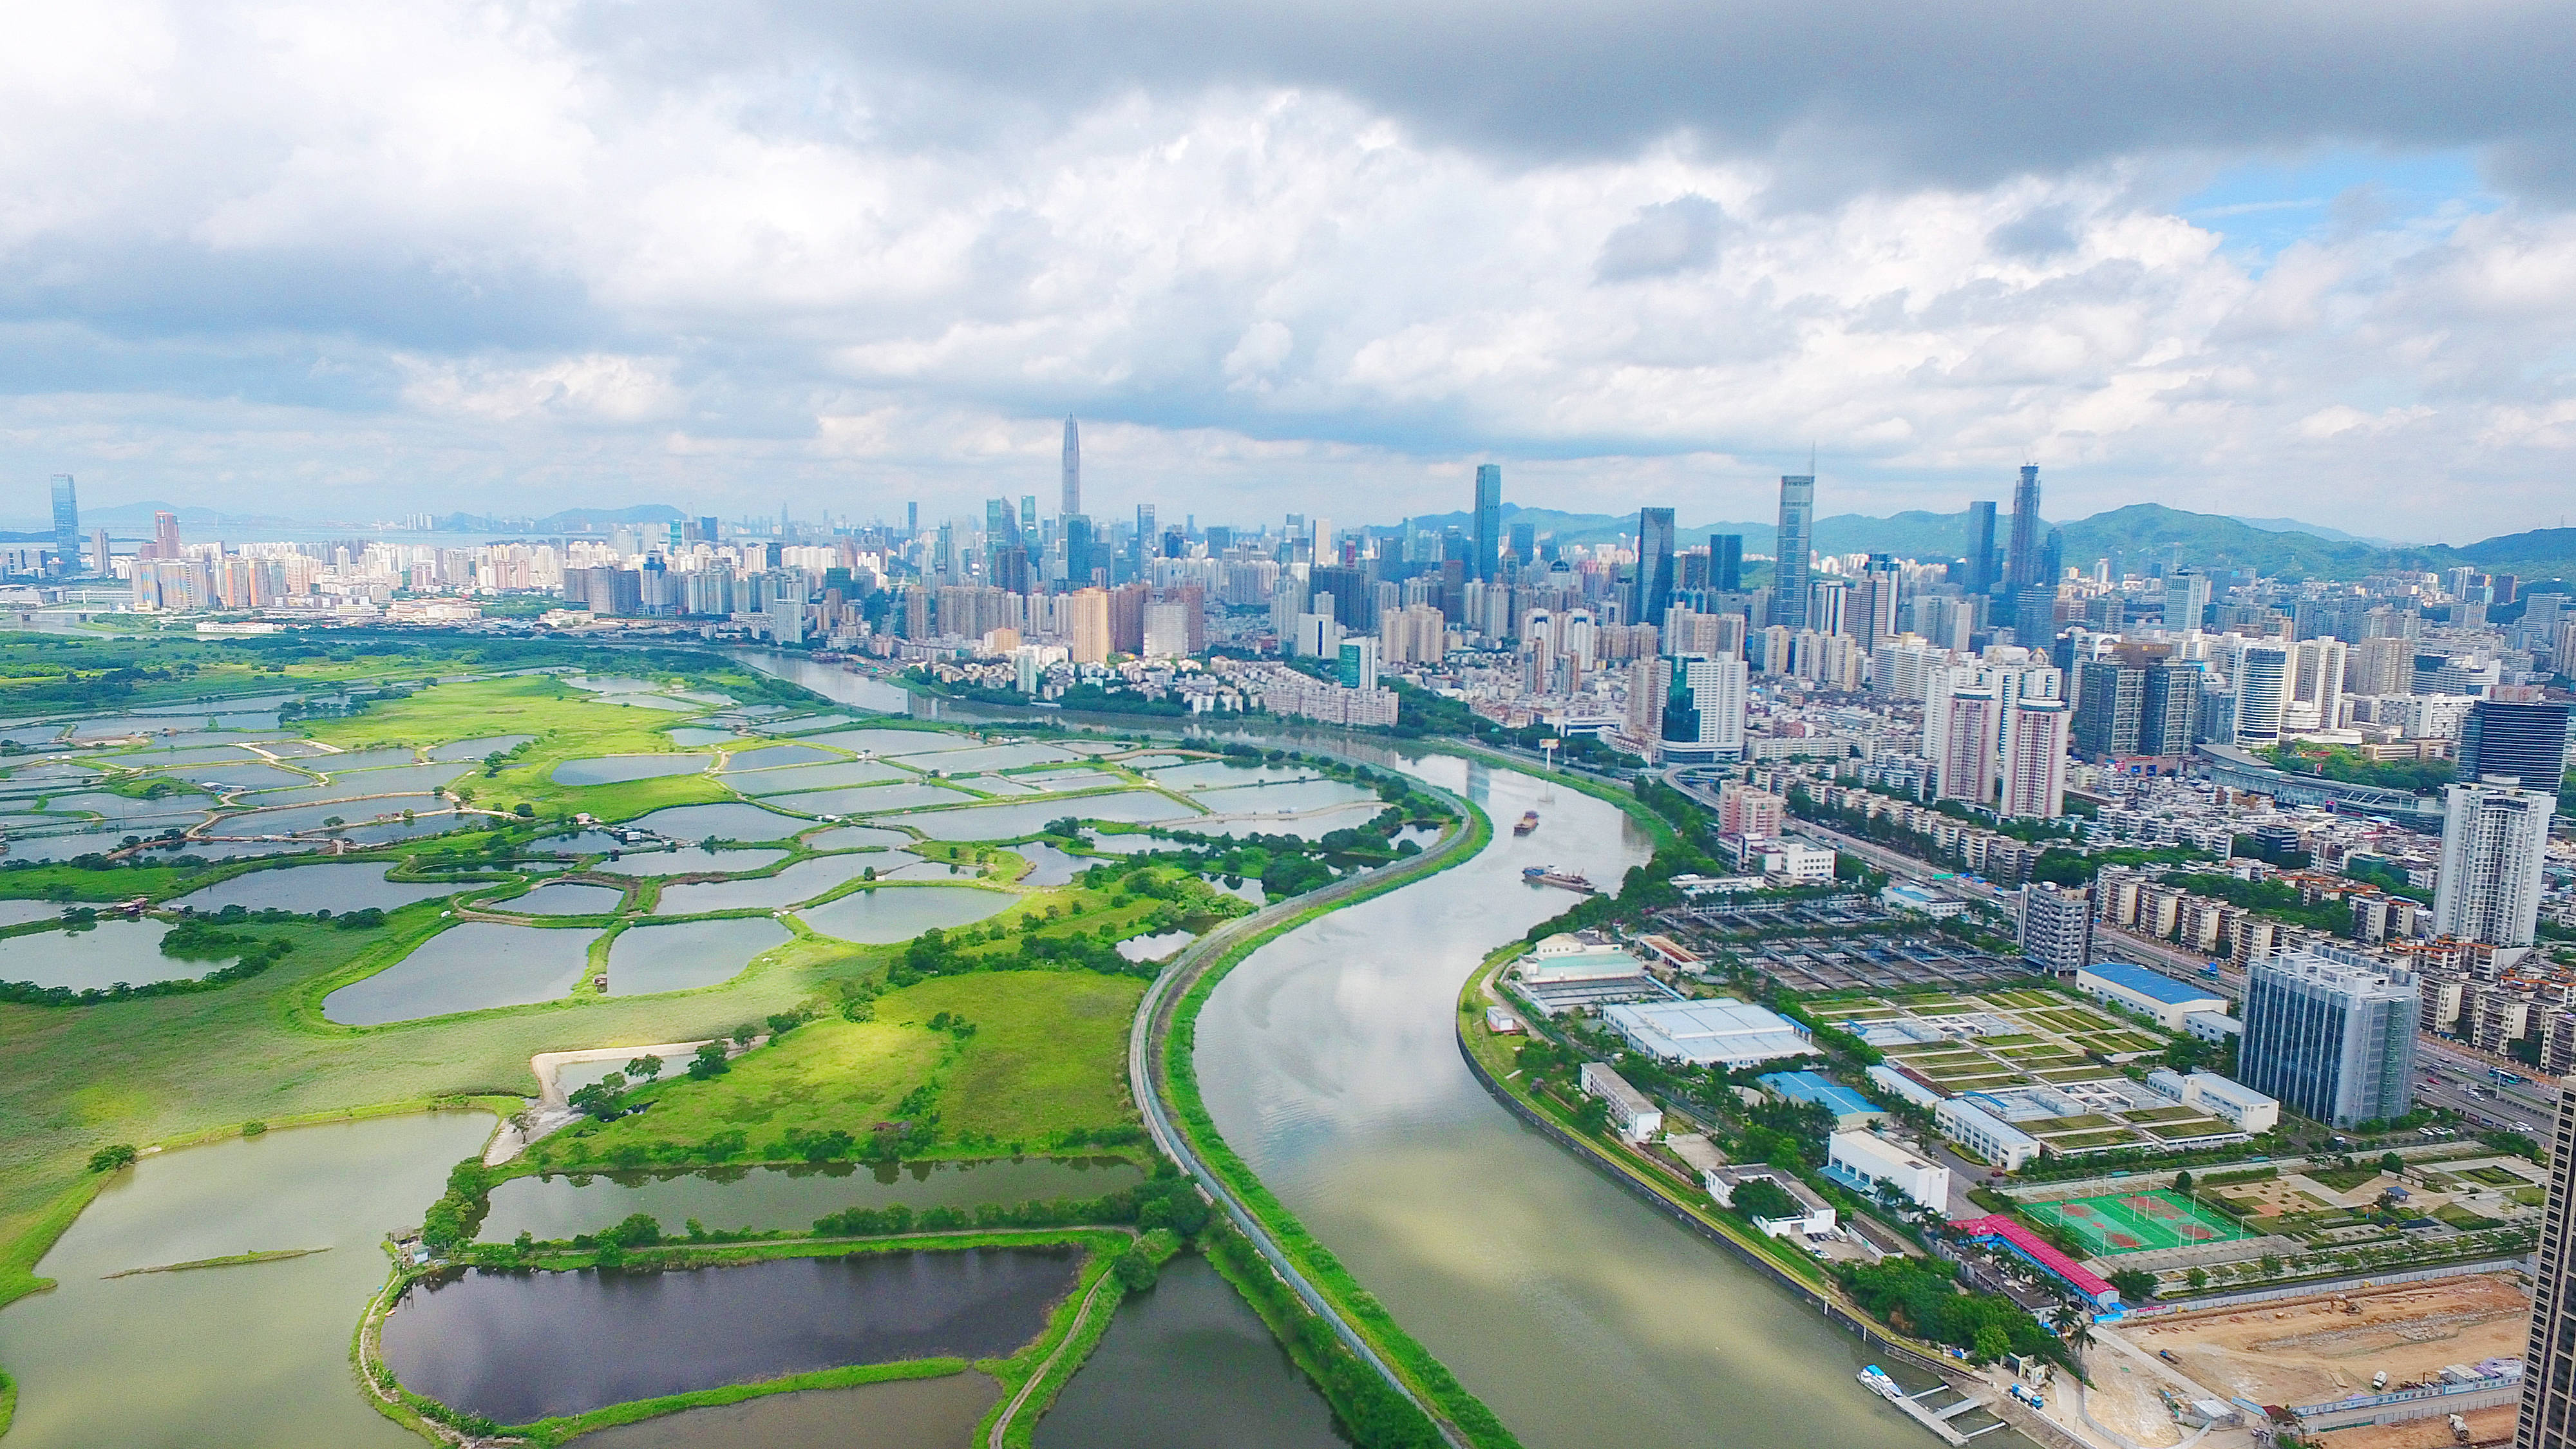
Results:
[1795, 550]
[1078, 562]
[1981, 547]
[2549, 1364]
[2525, 740]
[2495, 837]
[1703, 715]
[2113, 708]
[2262, 693]
[1072, 469]
[2171, 718]
[1873, 620]
[1489, 522]
[2021, 562]
[1525, 544]
[1654, 588]
[165, 536]
[2330, 1032]
[1967, 760]
[1726, 562]
[67, 537]
[1029, 518]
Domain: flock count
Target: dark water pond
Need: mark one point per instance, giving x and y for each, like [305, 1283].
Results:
[786, 1197]
[523, 1346]
[1188, 1366]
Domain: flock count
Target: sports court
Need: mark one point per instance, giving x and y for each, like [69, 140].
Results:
[2134, 1222]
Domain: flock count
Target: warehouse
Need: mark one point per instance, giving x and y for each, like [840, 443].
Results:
[1850, 1108]
[1719, 1032]
[2147, 992]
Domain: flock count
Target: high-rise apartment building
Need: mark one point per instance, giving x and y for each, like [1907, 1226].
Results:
[1653, 592]
[2495, 838]
[2057, 927]
[1981, 547]
[1703, 716]
[1967, 758]
[2170, 719]
[1795, 550]
[2527, 741]
[1744, 810]
[2262, 693]
[1072, 470]
[1090, 631]
[165, 536]
[2549, 1364]
[1726, 562]
[2316, 685]
[67, 539]
[2331, 1032]
[2111, 707]
[1489, 522]
[2034, 770]
[1873, 616]
[2022, 560]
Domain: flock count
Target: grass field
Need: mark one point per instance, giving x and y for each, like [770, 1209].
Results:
[2136, 1222]
[1047, 1054]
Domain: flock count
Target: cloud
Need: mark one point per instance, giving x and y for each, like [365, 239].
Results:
[497, 256]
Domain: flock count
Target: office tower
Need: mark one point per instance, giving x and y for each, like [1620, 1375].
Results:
[2317, 682]
[2052, 559]
[911, 520]
[67, 537]
[2527, 741]
[1072, 502]
[1525, 544]
[1726, 562]
[102, 561]
[2549, 1364]
[2021, 561]
[2331, 1032]
[2495, 837]
[1165, 630]
[2186, 599]
[1654, 588]
[1078, 562]
[2034, 776]
[1489, 521]
[1354, 597]
[2170, 711]
[1703, 714]
[2035, 616]
[2057, 927]
[1795, 550]
[165, 536]
[1359, 662]
[1029, 518]
[1828, 606]
[1981, 547]
[2111, 707]
[1967, 758]
[2262, 693]
[1873, 618]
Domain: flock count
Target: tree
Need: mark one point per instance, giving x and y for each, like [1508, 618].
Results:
[2393, 1165]
[1592, 1115]
[604, 1099]
[111, 1158]
[2136, 1285]
[645, 1068]
[1136, 1272]
[1763, 1199]
[709, 1062]
[2198, 1278]
[1992, 1342]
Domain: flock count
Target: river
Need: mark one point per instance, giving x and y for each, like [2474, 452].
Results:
[1582, 1317]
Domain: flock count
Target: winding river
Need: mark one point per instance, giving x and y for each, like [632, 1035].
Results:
[1577, 1313]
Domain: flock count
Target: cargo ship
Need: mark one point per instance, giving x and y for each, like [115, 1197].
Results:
[1528, 823]
[1548, 875]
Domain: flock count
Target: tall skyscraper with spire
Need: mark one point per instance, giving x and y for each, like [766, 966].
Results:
[1489, 522]
[2021, 561]
[1072, 468]
[1795, 549]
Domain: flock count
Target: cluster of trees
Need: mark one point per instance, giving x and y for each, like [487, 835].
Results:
[453, 1220]
[191, 940]
[1923, 1297]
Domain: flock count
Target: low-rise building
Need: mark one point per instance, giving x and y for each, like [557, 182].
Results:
[2148, 993]
[2247, 1110]
[1719, 1031]
[2214, 1027]
[1863, 1160]
[1895, 1083]
[1921, 901]
[1849, 1108]
[1813, 1217]
[1990, 1138]
[1632, 1113]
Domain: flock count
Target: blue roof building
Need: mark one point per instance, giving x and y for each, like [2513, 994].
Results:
[2148, 992]
[1850, 1108]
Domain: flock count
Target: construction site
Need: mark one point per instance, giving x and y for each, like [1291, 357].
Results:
[2373, 1368]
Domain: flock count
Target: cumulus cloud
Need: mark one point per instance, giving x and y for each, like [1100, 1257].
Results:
[494, 256]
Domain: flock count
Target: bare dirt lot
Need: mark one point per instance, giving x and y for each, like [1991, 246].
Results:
[2486, 1426]
[2307, 1352]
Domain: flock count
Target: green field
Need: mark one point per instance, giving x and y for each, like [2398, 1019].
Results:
[2136, 1222]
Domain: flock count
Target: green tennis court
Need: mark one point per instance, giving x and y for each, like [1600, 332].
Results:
[2132, 1222]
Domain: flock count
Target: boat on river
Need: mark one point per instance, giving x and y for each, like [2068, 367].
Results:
[1548, 875]
[1880, 1384]
[1528, 823]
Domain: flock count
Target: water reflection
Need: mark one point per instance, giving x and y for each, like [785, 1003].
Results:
[1186, 1365]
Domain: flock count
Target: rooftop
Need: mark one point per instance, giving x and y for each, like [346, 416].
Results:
[1718, 1030]
[1840, 1100]
[2151, 984]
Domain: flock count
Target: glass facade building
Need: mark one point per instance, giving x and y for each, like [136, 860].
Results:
[2331, 1033]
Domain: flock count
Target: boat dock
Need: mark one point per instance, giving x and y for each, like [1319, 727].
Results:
[1938, 1419]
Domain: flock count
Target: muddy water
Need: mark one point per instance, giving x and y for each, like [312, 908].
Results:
[249, 1357]
[1187, 1366]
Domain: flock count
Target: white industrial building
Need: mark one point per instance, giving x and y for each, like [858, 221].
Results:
[1720, 1031]
[1863, 1160]
[1632, 1113]
[1814, 1216]
[1988, 1136]
[2149, 993]
[2249, 1111]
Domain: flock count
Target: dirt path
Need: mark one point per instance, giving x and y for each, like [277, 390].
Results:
[1081, 1315]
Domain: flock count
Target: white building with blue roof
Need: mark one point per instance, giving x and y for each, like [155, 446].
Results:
[2149, 993]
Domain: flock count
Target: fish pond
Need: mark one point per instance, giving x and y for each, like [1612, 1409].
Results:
[617, 769]
[98, 958]
[305, 889]
[468, 967]
[887, 914]
[762, 1198]
[686, 954]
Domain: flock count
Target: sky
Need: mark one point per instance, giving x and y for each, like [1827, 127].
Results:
[331, 261]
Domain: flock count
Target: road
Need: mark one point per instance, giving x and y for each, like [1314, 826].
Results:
[1145, 1070]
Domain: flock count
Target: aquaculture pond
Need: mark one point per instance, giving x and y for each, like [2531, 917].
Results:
[988, 757]
[346, 784]
[724, 822]
[95, 959]
[563, 898]
[1048, 866]
[159, 1360]
[804, 880]
[617, 769]
[476, 749]
[684, 954]
[771, 757]
[692, 737]
[892, 742]
[295, 818]
[1186, 1365]
[868, 799]
[1002, 822]
[1305, 827]
[797, 778]
[469, 967]
[898, 913]
[787, 1197]
[324, 886]
[938, 1413]
[1219, 774]
[518, 1347]
[857, 837]
[689, 860]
